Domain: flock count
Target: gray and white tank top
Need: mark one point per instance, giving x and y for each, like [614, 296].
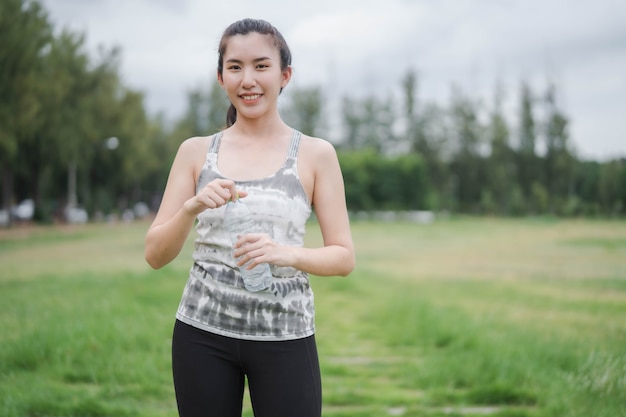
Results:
[214, 298]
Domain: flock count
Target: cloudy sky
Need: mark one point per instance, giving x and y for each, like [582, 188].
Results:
[360, 47]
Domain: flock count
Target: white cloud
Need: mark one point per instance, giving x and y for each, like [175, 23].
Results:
[359, 47]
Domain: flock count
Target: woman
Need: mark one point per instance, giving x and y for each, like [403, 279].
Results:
[223, 332]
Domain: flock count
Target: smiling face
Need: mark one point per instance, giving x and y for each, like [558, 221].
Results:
[252, 75]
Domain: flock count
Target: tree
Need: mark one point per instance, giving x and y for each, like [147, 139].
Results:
[500, 162]
[428, 136]
[68, 122]
[197, 113]
[358, 173]
[352, 123]
[26, 33]
[380, 182]
[528, 162]
[558, 160]
[305, 110]
[369, 123]
[205, 113]
[217, 106]
[610, 187]
[409, 87]
[466, 165]
[586, 177]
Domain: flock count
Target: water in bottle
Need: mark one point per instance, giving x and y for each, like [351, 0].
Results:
[238, 221]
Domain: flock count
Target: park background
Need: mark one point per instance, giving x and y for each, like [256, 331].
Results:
[507, 299]
[75, 131]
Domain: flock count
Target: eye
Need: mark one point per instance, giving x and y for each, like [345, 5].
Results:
[233, 67]
[262, 66]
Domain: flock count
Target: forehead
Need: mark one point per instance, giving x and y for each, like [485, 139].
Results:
[250, 46]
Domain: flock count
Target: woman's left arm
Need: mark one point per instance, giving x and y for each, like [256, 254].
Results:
[337, 256]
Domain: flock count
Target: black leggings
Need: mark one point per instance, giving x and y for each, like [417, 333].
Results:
[209, 370]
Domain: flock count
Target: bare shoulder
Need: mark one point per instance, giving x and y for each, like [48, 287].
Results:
[193, 149]
[195, 144]
[192, 154]
[317, 148]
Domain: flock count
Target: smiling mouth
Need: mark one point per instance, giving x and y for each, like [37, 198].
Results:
[251, 97]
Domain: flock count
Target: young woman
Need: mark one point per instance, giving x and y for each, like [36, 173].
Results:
[223, 332]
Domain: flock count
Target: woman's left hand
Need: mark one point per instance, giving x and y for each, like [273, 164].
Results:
[259, 248]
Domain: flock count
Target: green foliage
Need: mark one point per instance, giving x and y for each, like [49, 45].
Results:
[305, 110]
[205, 113]
[358, 178]
[369, 124]
[539, 197]
[379, 182]
[59, 105]
[25, 34]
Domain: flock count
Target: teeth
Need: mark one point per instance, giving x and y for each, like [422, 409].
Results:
[254, 97]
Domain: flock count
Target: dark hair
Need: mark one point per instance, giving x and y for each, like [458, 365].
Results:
[244, 27]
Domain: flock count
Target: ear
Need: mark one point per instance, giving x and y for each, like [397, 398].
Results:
[220, 79]
[286, 76]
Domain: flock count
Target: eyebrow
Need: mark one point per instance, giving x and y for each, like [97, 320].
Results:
[238, 61]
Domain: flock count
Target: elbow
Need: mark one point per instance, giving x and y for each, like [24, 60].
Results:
[152, 257]
[348, 271]
[152, 261]
[348, 266]
[153, 264]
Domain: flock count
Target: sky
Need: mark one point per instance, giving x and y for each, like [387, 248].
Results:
[363, 47]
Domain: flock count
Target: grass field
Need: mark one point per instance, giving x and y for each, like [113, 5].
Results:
[462, 317]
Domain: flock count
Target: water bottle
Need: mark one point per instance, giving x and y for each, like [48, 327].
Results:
[238, 221]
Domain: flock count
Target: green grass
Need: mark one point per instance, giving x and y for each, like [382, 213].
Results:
[463, 317]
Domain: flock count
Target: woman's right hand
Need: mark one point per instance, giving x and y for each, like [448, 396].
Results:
[213, 195]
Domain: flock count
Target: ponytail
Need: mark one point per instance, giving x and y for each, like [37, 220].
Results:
[231, 115]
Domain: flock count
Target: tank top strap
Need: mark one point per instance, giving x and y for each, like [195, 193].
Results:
[295, 143]
[215, 142]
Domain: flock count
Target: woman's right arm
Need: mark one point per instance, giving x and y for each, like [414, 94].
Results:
[180, 205]
[170, 228]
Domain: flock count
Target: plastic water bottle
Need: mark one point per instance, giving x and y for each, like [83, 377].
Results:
[238, 221]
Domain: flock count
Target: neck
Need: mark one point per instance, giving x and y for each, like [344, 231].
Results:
[261, 127]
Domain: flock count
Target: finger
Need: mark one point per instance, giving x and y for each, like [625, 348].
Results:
[226, 194]
[250, 240]
[226, 189]
[242, 248]
[206, 200]
[248, 249]
[250, 259]
[218, 196]
[241, 193]
[221, 187]
[257, 260]
[241, 240]
[237, 193]
[242, 256]
[207, 203]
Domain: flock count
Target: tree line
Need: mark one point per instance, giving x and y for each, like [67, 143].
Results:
[73, 134]
[473, 157]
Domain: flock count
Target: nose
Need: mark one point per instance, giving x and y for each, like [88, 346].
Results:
[249, 79]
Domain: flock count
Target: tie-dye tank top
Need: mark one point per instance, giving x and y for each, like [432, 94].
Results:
[214, 298]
